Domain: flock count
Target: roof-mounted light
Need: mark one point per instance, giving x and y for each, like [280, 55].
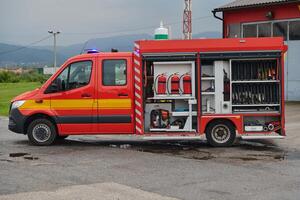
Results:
[91, 51]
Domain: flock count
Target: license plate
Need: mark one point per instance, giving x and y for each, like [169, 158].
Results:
[253, 128]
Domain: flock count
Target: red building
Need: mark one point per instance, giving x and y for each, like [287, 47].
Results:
[267, 18]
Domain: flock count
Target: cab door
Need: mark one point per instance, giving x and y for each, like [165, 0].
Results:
[115, 106]
[72, 98]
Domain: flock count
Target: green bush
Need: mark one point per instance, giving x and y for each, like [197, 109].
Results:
[31, 76]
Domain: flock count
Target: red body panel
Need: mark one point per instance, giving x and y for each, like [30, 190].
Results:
[212, 45]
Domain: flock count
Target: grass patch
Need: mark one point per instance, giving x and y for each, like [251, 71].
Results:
[10, 90]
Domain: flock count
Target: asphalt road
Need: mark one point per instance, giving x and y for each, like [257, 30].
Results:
[117, 168]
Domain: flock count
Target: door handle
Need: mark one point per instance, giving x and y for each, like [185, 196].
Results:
[123, 95]
[86, 95]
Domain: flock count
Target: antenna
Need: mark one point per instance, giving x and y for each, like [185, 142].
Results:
[187, 20]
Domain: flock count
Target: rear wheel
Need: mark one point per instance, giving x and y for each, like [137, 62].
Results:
[220, 133]
[41, 132]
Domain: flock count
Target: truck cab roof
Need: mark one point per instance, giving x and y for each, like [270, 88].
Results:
[102, 54]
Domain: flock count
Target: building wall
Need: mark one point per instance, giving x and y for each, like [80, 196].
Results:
[49, 70]
[287, 11]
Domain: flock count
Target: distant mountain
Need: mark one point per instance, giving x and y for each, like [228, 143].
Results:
[43, 55]
[208, 34]
[122, 43]
[15, 55]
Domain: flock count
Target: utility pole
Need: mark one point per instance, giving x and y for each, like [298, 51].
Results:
[187, 20]
[54, 46]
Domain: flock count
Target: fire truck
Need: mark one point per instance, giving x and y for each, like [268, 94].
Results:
[213, 89]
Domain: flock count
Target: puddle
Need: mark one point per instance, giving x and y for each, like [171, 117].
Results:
[245, 152]
[244, 158]
[25, 156]
[30, 158]
[14, 155]
[6, 160]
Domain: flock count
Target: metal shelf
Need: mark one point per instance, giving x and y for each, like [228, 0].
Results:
[257, 112]
[257, 81]
[246, 105]
[170, 130]
[208, 93]
[208, 113]
[207, 78]
[183, 113]
[170, 97]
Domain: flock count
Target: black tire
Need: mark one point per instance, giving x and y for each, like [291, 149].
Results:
[220, 133]
[41, 132]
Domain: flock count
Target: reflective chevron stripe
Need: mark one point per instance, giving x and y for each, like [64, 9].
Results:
[138, 85]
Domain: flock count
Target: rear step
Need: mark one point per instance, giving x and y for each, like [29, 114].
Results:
[254, 137]
[168, 137]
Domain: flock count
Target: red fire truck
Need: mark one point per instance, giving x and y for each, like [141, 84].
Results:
[218, 89]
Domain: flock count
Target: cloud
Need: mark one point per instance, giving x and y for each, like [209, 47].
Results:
[24, 21]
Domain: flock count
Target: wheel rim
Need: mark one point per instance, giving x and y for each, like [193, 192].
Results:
[41, 132]
[220, 134]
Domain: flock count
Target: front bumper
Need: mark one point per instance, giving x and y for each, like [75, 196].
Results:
[16, 121]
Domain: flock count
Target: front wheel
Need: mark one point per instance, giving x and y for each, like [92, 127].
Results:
[41, 132]
[220, 133]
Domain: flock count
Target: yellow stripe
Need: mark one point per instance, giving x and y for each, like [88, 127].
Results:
[114, 103]
[66, 104]
[31, 104]
[72, 104]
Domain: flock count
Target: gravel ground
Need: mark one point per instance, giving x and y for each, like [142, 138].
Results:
[118, 168]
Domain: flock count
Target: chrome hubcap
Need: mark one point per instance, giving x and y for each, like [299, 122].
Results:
[220, 134]
[41, 132]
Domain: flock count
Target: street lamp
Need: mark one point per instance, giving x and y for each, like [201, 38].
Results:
[54, 46]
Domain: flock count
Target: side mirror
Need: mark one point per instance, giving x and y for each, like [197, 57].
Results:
[56, 86]
[52, 88]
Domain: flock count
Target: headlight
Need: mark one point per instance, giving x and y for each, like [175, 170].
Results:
[17, 104]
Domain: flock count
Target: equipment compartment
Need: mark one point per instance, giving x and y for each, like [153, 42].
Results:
[255, 86]
[215, 87]
[261, 124]
[171, 105]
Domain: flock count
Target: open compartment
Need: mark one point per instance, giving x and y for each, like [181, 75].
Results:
[170, 92]
[255, 86]
[215, 87]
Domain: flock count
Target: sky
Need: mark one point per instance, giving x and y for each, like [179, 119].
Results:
[25, 21]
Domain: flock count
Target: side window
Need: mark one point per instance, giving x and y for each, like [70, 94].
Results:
[76, 75]
[114, 72]
[62, 80]
[79, 74]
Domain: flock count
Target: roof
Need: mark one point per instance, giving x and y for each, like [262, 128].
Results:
[251, 3]
[210, 45]
[101, 54]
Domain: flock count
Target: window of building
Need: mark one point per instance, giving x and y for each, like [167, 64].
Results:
[280, 29]
[234, 30]
[250, 30]
[294, 31]
[114, 72]
[80, 74]
[264, 30]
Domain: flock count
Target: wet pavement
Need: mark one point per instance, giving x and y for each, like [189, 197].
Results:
[261, 169]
